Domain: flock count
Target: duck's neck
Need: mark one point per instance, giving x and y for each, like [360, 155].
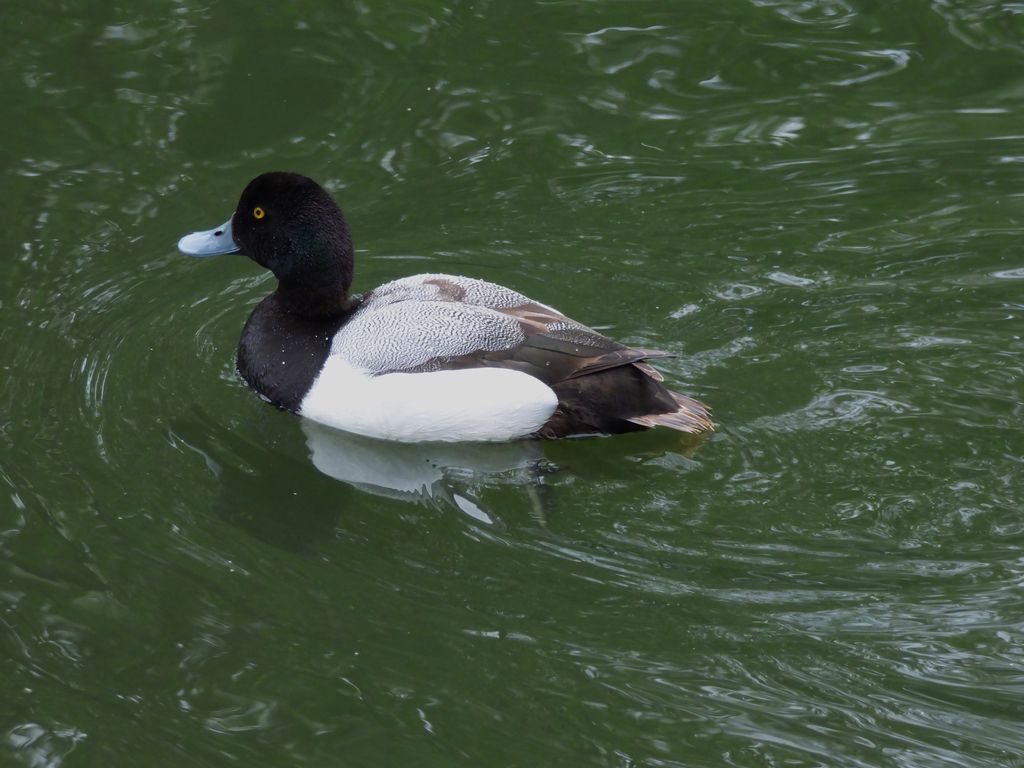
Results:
[322, 297]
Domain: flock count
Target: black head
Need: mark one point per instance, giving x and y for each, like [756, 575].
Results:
[291, 225]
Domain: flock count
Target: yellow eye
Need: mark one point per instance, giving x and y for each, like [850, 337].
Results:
[258, 212]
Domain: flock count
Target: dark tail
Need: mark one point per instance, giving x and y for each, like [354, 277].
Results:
[625, 398]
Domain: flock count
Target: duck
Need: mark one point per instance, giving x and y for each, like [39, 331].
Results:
[425, 358]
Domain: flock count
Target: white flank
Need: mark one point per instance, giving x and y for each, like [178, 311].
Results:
[472, 404]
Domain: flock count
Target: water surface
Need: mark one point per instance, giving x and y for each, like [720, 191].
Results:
[816, 205]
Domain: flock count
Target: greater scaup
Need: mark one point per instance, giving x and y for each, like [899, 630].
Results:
[425, 358]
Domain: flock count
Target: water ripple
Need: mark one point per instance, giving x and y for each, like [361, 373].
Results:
[814, 205]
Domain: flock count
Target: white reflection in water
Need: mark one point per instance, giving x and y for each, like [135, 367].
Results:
[422, 472]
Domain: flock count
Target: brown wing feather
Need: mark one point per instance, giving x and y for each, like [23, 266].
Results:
[602, 385]
[552, 358]
[558, 348]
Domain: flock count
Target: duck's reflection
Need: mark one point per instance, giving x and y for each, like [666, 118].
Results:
[425, 472]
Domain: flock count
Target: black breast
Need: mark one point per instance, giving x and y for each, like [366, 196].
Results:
[281, 354]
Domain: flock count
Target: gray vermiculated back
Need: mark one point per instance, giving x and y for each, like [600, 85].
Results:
[408, 322]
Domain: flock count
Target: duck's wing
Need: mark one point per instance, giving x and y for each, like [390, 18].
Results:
[556, 348]
[416, 335]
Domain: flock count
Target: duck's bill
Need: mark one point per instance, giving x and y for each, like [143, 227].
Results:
[212, 242]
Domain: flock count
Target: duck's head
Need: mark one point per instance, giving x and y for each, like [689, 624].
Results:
[291, 225]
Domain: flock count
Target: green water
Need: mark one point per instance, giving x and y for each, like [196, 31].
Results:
[818, 205]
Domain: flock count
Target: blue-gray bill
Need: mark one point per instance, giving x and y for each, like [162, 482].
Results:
[212, 242]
